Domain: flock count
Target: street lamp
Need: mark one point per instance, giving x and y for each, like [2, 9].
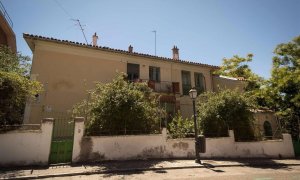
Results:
[193, 95]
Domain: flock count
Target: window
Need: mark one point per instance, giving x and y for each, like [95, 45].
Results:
[186, 82]
[199, 82]
[133, 71]
[154, 73]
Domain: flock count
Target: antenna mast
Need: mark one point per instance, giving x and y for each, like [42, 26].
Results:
[82, 30]
[154, 42]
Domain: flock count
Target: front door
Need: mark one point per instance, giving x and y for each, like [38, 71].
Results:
[62, 141]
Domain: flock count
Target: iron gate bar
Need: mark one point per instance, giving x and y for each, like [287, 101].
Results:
[62, 140]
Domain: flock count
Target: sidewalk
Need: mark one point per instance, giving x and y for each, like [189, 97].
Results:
[135, 166]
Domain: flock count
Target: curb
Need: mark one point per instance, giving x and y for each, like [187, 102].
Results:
[150, 169]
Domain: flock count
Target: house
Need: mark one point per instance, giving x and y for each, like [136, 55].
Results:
[68, 69]
[7, 35]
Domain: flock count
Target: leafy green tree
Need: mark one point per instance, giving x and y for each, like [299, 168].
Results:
[237, 67]
[120, 107]
[218, 112]
[11, 62]
[283, 90]
[15, 86]
[180, 127]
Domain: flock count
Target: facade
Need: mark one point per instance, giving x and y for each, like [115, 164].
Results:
[7, 35]
[68, 69]
[223, 82]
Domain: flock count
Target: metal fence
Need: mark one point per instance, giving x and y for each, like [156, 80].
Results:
[123, 132]
[6, 128]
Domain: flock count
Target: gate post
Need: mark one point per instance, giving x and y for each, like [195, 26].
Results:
[78, 134]
[46, 128]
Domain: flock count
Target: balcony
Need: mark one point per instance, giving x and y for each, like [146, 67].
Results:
[162, 86]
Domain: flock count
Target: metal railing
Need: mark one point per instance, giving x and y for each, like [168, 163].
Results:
[161, 86]
[5, 15]
[5, 128]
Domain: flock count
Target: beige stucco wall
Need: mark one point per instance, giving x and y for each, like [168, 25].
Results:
[67, 72]
[220, 83]
[263, 116]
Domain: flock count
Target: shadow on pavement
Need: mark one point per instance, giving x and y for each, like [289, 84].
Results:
[261, 163]
[115, 168]
[10, 173]
[211, 167]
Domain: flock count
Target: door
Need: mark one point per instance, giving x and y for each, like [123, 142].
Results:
[62, 141]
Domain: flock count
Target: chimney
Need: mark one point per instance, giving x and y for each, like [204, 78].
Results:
[130, 49]
[175, 53]
[95, 38]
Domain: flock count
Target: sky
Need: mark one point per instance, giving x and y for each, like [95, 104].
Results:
[205, 31]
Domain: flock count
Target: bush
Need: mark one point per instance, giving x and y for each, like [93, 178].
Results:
[14, 90]
[120, 107]
[181, 128]
[225, 110]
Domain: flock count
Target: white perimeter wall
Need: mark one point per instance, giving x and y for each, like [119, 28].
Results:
[24, 147]
[97, 148]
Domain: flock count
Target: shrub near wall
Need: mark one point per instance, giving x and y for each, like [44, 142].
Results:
[120, 107]
[225, 110]
[180, 127]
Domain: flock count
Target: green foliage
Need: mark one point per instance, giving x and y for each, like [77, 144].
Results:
[14, 90]
[283, 90]
[11, 62]
[181, 128]
[119, 107]
[218, 112]
[15, 87]
[237, 67]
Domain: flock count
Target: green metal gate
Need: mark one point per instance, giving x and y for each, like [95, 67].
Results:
[296, 145]
[62, 141]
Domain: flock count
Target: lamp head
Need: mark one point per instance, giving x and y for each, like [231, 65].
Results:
[193, 93]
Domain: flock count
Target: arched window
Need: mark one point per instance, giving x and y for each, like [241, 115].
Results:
[268, 128]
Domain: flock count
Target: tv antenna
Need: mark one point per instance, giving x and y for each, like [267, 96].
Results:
[82, 30]
[154, 31]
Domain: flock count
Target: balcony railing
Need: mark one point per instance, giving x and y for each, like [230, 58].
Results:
[5, 15]
[162, 86]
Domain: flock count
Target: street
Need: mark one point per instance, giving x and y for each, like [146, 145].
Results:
[257, 173]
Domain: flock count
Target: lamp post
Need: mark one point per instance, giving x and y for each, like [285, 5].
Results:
[193, 95]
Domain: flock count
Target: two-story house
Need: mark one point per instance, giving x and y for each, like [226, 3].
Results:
[68, 69]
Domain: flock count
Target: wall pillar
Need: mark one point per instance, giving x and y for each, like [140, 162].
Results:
[46, 136]
[78, 134]
[288, 144]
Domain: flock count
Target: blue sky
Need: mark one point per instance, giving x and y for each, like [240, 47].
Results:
[204, 31]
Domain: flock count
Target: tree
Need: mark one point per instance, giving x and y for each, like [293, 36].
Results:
[120, 107]
[284, 85]
[218, 112]
[237, 67]
[15, 86]
[11, 62]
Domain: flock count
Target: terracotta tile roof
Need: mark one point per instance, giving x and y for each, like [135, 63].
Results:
[72, 43]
